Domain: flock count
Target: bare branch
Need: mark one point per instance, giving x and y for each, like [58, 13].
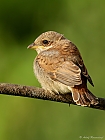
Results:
[39, 93]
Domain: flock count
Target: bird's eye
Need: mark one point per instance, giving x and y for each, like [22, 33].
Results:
[45, 42]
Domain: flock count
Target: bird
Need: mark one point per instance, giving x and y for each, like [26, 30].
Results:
[60, 69]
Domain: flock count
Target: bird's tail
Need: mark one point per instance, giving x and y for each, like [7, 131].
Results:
[84, 97]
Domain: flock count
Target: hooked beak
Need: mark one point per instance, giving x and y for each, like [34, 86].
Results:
[34, 46]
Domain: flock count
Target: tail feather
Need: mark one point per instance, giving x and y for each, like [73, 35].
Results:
[93, 98]
[83, 97]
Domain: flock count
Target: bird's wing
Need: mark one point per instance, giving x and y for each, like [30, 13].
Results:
[67, 73]
[58, 69]
[75, 56]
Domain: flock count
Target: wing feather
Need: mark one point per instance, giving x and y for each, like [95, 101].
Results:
[68, 73]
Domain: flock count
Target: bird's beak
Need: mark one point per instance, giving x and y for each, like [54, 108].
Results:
[34, 46]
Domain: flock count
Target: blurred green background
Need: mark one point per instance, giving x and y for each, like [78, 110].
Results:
[83, 22]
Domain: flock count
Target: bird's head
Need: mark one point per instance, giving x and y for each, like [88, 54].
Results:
[46, 41]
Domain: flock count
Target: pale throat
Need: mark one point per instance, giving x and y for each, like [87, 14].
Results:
[40, 48]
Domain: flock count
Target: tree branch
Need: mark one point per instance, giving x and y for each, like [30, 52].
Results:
[39, 93]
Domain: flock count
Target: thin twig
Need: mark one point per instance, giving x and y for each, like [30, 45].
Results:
[39, 93]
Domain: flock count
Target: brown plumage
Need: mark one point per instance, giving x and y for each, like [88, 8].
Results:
[59, 67]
